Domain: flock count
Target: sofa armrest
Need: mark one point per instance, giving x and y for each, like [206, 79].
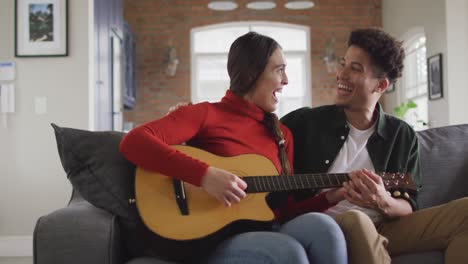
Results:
[79, 233]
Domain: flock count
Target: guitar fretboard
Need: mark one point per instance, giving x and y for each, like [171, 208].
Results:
[256, 184]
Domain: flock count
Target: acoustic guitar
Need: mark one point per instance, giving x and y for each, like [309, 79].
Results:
[180, 211]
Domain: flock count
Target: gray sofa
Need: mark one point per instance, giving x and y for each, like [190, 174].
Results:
[94, 227]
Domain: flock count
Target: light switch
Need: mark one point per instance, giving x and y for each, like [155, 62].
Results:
[40, 105]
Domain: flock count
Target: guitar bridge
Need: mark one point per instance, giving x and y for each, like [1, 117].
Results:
[180, 196]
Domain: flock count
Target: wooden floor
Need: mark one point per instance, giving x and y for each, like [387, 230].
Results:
[19, 260]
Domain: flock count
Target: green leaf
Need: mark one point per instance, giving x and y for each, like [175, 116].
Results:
[411, 104]
[402, 109]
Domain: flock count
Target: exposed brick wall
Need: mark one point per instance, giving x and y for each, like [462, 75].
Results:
[155, 22]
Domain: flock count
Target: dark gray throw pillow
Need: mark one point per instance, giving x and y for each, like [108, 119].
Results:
[96, 168]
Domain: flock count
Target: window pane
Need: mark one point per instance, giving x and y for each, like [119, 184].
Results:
[295, 72]
[421, 65]
[289, 104]
[410, 72]
[417, 117]
[211, 49]
[212, 76]
[418, 43]
[422, 89]
[415, 83]
[212, 91]
[290, 39]
[217, 40]
[212, 67]
[422, 110]
[410, 93]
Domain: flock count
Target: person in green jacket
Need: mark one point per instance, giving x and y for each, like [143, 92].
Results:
[355, 135]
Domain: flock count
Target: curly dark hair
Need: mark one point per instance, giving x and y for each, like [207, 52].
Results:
[385, 52]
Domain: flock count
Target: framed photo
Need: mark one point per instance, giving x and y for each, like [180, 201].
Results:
[41, 28]
[434, 77]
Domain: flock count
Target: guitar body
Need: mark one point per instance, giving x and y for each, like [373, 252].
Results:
[207, 217]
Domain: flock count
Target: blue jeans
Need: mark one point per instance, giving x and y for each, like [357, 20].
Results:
[309, 238]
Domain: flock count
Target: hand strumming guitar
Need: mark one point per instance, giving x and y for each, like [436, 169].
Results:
[224, 186]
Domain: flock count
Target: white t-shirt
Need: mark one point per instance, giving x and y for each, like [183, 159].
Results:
[353, 156]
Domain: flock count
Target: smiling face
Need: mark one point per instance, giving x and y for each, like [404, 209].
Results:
[358, 84]
[270, 82]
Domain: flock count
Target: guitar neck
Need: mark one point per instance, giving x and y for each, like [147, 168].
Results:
[257, 184]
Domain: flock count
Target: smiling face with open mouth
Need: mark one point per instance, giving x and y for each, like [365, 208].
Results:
[357, 83]
[265, 91]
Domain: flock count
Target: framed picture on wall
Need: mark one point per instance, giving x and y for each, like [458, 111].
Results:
[434, 77]
[41, 28]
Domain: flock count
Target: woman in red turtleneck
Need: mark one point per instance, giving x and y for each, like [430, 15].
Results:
[241, 123]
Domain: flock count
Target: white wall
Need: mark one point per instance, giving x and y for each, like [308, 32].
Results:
[457, 58]
[401, 16]
[32, 181]
[445, 24]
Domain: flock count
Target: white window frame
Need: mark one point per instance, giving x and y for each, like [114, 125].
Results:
[409, 38]
[307, 95]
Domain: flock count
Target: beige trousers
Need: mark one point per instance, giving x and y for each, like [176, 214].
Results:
[443, 227]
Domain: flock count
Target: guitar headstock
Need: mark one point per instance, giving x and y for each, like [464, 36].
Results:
[398, 181]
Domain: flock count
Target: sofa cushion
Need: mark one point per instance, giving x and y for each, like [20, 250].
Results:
[444, 164]
[96, 168]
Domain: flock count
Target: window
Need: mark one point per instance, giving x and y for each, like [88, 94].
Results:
[210, 47]
[414, 81]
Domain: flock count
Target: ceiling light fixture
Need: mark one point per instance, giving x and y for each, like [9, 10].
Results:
[300, 4]
[261, 5]
[224, 5]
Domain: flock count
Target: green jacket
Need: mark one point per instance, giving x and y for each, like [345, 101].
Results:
[319, 133]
